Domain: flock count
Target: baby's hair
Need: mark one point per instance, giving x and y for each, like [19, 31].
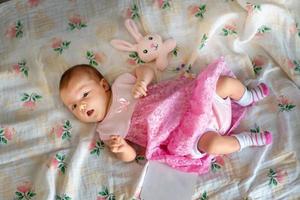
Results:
[67, 75]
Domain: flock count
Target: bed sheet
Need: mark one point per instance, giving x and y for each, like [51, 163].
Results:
[45, 153]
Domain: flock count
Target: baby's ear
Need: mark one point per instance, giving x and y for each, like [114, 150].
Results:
[105, 84]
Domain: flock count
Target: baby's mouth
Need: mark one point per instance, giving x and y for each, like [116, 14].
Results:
[90, 112]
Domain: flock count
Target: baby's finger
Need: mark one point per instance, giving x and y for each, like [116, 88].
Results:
[141, 90]
[143, 85]
[136, 94]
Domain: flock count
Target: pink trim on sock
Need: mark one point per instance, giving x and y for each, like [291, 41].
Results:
[265, 89]
[268, 137]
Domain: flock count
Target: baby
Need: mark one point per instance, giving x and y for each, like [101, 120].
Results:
[181, 122]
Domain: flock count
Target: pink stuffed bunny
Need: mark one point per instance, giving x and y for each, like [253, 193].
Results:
[149, 47]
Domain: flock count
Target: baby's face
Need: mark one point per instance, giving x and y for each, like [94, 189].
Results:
[87, 98]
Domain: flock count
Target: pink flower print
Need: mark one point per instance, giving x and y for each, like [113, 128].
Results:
[92, 144]
[33, 3]
[124, 103]
[25, 191]
[126, 13]
[62, 130]
[54, 163]
[284, 100]
[276, 176]
[230, 27]
[131, 61]
[290, 64]
[59, 132]
[14, 30]
[58, 162]
[21, 67]
[56, 42]
[293, 29]
[29, 104]
[257, 63]
[25, 187]
[252, 7]
[8, 133]
[76, 22]
[100, 57]
[281, 175]
[75, 19]
[59, 46]
[101, 198]
[163, 4]
[193, 9]
[16, 68]
[30, 100]
[11, 31]
[285, 104]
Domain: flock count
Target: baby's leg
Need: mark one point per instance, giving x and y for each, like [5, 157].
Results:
[213, 143]
[233, 88]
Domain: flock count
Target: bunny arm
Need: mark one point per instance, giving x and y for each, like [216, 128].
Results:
[169, 45]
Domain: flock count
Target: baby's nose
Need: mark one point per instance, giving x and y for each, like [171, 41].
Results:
[82, 106]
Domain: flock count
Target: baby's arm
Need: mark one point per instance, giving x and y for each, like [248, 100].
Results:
[121, 148]
[144, 76]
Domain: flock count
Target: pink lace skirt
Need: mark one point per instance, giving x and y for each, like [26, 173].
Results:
[168, 121]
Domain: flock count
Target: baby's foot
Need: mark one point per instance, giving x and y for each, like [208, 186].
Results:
[253, 95]
[259, 92]
[247, 139]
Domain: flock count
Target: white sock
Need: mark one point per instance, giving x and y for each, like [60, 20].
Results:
[253, 95]
[247, 139]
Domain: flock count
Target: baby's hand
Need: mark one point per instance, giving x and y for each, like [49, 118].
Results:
[116, 144]
[139, 89]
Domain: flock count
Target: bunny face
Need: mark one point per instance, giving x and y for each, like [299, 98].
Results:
[149, 47]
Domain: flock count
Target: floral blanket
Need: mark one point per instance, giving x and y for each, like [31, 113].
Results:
[45, 153]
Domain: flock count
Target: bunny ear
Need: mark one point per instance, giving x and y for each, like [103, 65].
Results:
[133, 29]
[123, 45]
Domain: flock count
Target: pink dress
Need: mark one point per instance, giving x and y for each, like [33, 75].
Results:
[169, 121]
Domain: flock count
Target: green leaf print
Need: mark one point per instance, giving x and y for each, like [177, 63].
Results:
[134, 11]
[204, 196]
[175, 51]
[256, 129]
[201, 11]
[136, 57]
[3, 140]
[263, 29]
[25, 97]
[203, 41]
[166, 4]
[97, 149]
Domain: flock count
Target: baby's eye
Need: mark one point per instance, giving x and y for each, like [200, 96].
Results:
[85, 94]
[74, 106]
[150, 38]
[145, 51]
